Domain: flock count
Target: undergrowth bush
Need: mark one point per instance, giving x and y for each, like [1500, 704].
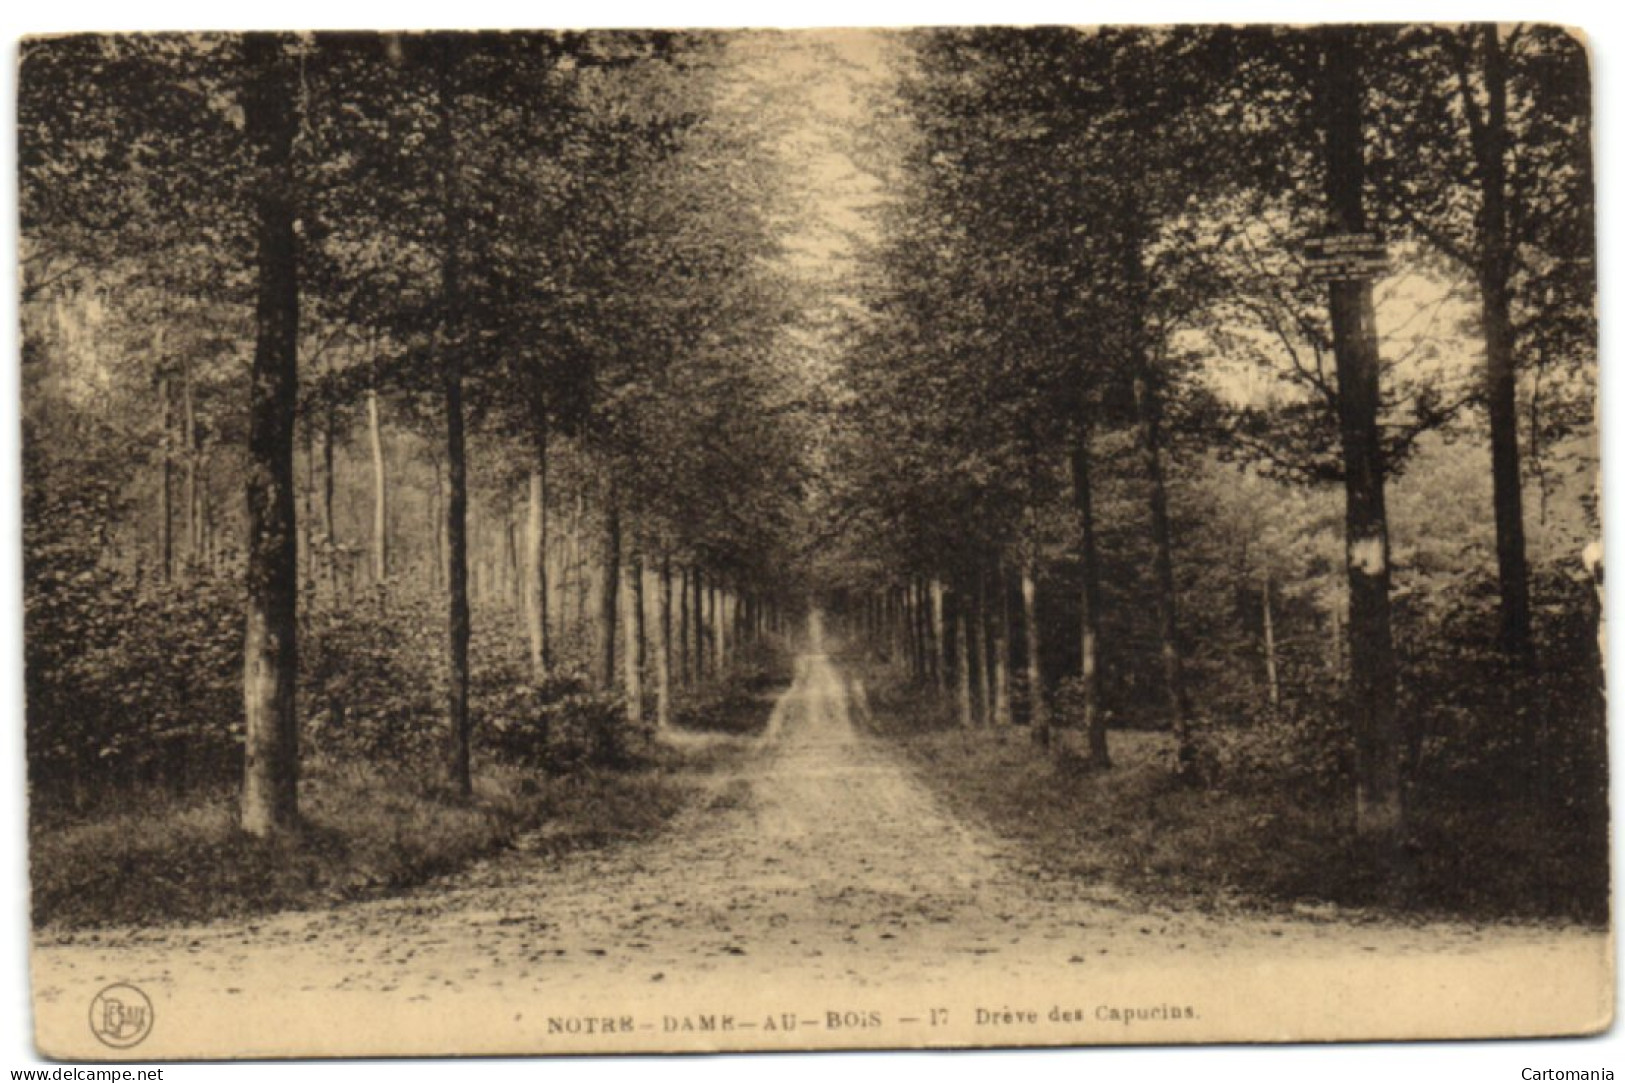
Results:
[129, 680]
[738, 703]
[133, 683]
[562, 726]
[1505, 772]
[372, 679]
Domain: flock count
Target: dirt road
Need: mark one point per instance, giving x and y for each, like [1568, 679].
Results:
[820, 896]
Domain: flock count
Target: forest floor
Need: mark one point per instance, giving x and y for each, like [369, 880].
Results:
[1237, 837]
[818, 895]
[157, 858]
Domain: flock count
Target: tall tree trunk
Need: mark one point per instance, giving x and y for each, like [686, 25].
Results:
[713, 620]
[984, 686]
[899, 624]
[884, 640]
[578, 561]
[513, 576]
[922, 645]
[608, 597]
[939, 637]
[967, 712]
[1271, 673]
[907, 626]
[1149, 406]
[903, 630]
[457, 616]
[640, 611]
[380, 487]
[553, 583]
[1003, 715]
[166, 489]
[1372, 694]
[189, 453]
[437, 531]
[1037, 709]
[634, 634]
[452, 345]
[329, 528]
[663, 648]
[307, 508]
[206, 528]
[536, 563]
[1494, 272]
[1094, 718]
[685, 670]
[730, 617]
[725, 644]
[696, 582]
[270, 798]
[1148, 411]
[1337, 643]
[928, 650]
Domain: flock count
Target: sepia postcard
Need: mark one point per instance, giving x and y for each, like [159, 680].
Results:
[623, 541]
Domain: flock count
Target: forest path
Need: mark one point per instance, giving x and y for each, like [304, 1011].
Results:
[820, 876]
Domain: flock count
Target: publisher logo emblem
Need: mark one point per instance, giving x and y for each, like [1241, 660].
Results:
[121, 1016]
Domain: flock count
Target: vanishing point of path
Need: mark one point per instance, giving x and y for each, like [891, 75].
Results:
[819, 896]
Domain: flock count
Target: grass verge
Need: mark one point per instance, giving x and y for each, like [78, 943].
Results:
[1231, 843]
[366, 833]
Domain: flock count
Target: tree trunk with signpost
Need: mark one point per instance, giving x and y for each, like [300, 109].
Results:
[270, 793]
[1349, 257]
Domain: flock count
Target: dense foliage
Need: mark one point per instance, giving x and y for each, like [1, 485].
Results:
[1099, 419]
[557, 404]
[538, 318]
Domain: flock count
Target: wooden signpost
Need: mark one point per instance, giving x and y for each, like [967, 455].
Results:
[1347, 257]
